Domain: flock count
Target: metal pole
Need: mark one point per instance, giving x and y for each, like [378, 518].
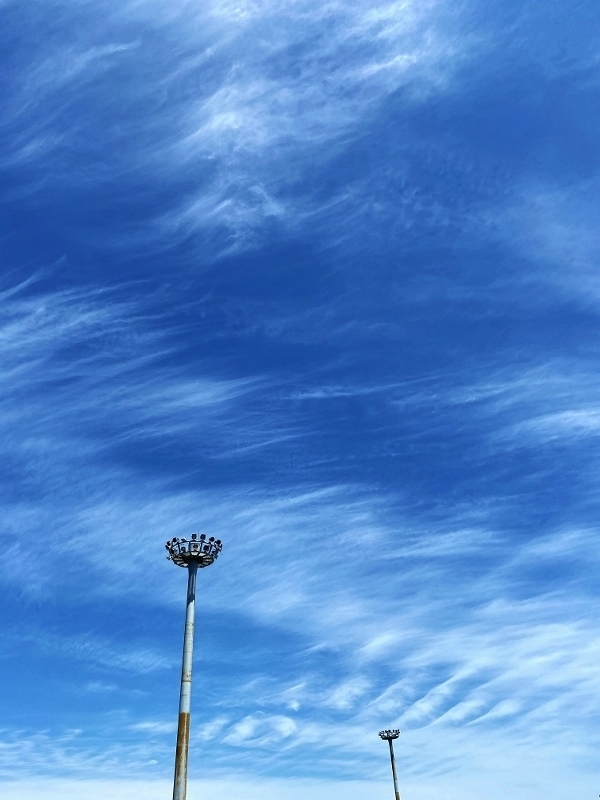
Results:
[393, 760]
[183, 727]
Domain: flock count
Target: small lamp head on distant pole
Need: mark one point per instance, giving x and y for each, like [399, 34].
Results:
[387, 735]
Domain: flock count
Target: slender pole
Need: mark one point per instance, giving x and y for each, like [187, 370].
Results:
[183, 728]
[393, 760]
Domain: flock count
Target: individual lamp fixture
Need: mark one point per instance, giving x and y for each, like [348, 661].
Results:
[194, 553]
[389, 736]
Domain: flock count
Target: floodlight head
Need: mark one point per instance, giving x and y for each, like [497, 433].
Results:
[197, 550]
[389, 735]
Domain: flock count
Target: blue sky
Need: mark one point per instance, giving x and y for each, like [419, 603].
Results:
[321, 280]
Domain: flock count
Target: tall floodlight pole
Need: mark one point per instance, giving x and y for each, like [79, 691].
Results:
[194, 554]
[389, 736]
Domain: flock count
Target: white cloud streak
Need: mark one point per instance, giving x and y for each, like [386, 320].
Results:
[554, 228]
[259, 94]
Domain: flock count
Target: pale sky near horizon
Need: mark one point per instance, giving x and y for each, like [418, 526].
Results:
[321, 280]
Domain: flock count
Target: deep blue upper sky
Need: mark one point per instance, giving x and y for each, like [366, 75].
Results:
[321, 280]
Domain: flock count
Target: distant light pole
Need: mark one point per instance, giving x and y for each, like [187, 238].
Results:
[389, 736]
[193, 555]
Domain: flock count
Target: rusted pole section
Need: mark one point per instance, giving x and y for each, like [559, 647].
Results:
[193, 554]
[185, 694]
[389, 736]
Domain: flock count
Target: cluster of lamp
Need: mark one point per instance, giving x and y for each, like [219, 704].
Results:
[198, 550]
[393, 734]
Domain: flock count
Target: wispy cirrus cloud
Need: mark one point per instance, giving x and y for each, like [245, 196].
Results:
[551, 227]
[70, 752]
[235, 104]
[93, 649]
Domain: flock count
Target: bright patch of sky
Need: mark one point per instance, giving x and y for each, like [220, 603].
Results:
[322, 280]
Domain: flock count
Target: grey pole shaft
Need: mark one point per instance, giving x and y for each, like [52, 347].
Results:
[185, 695]
[393, 760]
